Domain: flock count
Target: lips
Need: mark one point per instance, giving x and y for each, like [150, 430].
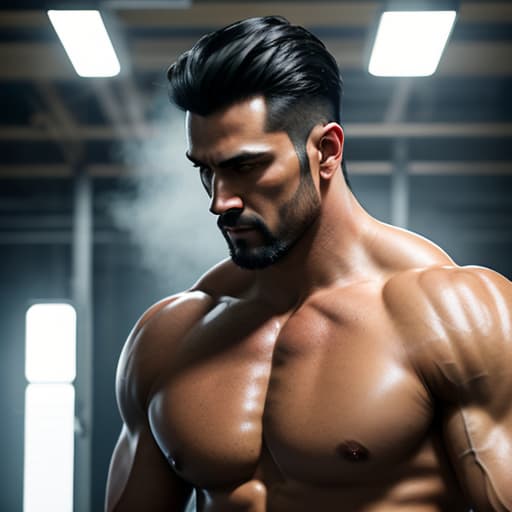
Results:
[238, 229]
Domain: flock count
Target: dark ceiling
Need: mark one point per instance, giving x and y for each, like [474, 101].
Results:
[459, 120]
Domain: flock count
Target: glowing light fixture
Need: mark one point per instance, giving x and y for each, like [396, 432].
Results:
[50, 341]
[410, 42]
[86, 41]
[50, 367]
[49, 448]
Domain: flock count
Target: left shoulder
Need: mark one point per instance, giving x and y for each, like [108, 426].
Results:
[431, 278]
[456, 323]
[469, 296]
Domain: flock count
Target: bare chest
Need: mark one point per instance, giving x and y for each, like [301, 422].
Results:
[327, 400]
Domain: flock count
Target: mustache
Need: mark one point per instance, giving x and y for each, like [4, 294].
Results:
[234, 218]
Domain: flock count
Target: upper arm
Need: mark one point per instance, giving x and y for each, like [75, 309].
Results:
[458, 325]
[140, 477]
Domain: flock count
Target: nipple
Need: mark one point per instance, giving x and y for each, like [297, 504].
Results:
[353, 451]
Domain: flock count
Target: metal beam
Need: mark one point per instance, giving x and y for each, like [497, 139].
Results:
[110, 107]
[60, 237]
[352, 130]
[46, 60]
[400, 186]
[59, 120]
[345, 14]
[370, 167]
[61, 171]
[82, 298]
[106, 238]
[216, 14]
[431, 130]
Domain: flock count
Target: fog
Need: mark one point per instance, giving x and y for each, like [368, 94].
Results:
[167, 214]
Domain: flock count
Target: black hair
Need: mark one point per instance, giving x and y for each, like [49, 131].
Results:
[286, 64]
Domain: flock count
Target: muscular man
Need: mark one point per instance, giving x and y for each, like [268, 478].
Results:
[334, 363]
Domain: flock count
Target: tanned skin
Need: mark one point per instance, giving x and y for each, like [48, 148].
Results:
[364, 371]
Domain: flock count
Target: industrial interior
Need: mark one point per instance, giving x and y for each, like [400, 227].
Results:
[99, 207]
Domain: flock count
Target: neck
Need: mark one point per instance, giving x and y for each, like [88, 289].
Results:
[333, 250]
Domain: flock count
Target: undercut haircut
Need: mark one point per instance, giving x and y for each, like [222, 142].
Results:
[286, 64]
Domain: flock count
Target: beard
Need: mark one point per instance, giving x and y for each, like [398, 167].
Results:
[295, 217]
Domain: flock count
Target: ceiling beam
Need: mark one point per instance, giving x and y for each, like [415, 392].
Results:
[42, 60]
[433, 167]
[110, 107]
[55, 106]
[431, 130]
[353, 130]
[217, 14]
[341, 14]
[213, 14]
[58, 120]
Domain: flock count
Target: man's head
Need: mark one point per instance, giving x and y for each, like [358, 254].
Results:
[286, 64]
[245, 87]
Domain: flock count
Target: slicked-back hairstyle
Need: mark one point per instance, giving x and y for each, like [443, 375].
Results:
[286, 64]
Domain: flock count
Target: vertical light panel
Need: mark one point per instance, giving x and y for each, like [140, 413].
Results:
[50, 367]
[50, 343]
[49, 439]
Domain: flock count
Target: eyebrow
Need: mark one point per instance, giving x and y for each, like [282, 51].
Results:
[241, 158]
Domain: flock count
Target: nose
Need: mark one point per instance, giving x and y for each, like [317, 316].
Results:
[223, 198]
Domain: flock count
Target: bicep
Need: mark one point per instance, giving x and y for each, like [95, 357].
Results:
[481, 427]
[458, 323]
[140, 477]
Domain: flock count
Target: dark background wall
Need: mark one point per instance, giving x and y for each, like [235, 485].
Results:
[152, 233]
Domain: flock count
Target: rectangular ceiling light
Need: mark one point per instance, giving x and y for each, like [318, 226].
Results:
[410, 43]
[86, 41]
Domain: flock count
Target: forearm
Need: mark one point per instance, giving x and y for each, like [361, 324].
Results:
[481, 450]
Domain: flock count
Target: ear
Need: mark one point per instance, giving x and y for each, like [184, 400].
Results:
[330, 147]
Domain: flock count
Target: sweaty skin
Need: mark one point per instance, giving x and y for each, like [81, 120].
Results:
[364, 371]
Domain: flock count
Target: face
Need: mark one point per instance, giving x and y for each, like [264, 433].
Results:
[263, 201]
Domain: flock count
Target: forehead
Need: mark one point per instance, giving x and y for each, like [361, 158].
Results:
[222, 134]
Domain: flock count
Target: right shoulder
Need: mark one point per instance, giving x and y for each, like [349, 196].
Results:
[151, 347]
[153, 342]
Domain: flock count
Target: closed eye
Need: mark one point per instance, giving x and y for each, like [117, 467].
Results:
[252, 165]
[248, 166]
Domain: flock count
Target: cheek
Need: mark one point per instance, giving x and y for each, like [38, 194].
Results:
[275, 207]
[272, 198]
[281, 179]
